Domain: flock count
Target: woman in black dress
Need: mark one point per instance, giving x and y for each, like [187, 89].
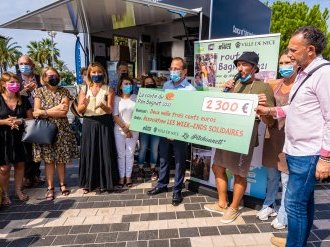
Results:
[97, 168]
[13, 109]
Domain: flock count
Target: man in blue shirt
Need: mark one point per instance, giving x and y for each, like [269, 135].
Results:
[178, 81]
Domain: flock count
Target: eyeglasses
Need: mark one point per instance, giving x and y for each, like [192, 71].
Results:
[174, 69]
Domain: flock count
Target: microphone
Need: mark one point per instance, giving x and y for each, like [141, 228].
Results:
[236, 77]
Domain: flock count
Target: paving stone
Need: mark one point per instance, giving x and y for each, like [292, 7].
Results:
[16, 216]
[266, 227]
[230, 229]
[182, 242]
[147, 235]
[80, 229]
[96, 198]
[117, 227]
[131, 218]
[208, 231]
[44, 241]
[184, 215]
[189, 232]
[142, 196]
[120, 244]
[101, 204]
[64, 240]
[322, 234]
[167, 216]
[21, 242]
[133, 203]
[149, 217]
[148, 202]
[85, 238]
[19, 232]
[159, 243]
[117, 204]
[322, 215]
[82, 205]
[106, 237]
[40, 231]
[163, 201]
[197, 199]
[137, 244]
[312, 237]
[192, 206]
[99, 228]
[60, 230]
[202, 214]
[127, 236]
[250, 228]
[168, 233]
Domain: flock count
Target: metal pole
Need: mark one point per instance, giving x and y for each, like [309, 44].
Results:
[52, 36]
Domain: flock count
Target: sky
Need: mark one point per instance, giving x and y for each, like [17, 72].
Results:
[65, 42]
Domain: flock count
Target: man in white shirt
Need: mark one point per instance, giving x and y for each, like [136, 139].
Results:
[307, 132]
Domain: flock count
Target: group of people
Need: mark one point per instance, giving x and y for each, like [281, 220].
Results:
[294, 108]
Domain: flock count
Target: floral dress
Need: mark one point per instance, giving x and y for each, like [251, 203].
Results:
[64, 149]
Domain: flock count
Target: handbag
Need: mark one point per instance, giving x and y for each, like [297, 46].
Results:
[39, 131]
[74, 105]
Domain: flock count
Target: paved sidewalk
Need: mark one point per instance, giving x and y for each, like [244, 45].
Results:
[130, 218]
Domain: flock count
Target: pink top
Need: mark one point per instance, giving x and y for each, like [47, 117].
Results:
[307, 124]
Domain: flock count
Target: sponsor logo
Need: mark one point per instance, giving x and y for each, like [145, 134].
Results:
[210, 47]
[224, 46]
[147, 128]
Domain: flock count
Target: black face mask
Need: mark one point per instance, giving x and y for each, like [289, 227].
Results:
[151, 86]
[123, 75]
[53, 81]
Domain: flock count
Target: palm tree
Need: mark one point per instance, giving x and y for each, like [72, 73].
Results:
[9, 53]
[41, 52]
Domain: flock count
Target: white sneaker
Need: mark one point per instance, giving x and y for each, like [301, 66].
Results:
[263, 214]
[277, 225]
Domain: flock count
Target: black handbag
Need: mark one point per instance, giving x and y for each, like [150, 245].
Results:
[74, 105]
[39, 131]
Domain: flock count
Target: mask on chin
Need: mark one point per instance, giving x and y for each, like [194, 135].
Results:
[245, 79]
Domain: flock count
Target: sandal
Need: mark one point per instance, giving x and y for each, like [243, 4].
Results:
[85, 191]
[50, 194]
[129, 182]
[22, 196]
[65, 191]
[5, 199]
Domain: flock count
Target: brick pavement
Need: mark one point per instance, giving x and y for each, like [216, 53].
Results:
[130, 218]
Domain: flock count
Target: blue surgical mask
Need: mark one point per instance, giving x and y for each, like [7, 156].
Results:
[286, 71]
[97, 78]
[127, 89]
[25, 69]
[245, 79]
[175, 75]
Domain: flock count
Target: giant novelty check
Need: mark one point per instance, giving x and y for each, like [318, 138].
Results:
[214, 119]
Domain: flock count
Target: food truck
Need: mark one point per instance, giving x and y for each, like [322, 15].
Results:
[146, 33]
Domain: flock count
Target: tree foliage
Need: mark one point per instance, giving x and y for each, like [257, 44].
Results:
[41, 52]
[9, 53]
[287, 17]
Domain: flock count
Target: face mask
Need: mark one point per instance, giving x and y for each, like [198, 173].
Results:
[127, 89]
[286, 71]
[97, 78]
[151, 86]
[245, 79]
[53, 81]
[175, 75]
[13, 87]
[25, 69]
[124, 75]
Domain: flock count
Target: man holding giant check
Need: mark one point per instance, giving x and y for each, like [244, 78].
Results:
[237, 163]
[178, 72]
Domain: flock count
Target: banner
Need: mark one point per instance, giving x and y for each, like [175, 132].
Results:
[214, 58]
[215, 119]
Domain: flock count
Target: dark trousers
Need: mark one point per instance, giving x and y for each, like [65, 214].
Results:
[32, 169]
[179, 149]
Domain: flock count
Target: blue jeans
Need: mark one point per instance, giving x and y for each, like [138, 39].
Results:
[273, 179]
[151, 141]
[180, 150]
[299, 198]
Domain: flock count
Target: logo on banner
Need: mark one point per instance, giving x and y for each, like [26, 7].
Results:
[224, 46]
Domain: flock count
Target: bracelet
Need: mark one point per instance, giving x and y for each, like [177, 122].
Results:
[269, 110]
[325, 159]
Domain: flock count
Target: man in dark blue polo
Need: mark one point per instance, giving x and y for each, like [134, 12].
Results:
[178, 81]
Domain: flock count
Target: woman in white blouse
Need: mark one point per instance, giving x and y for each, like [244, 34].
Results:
[124, 137]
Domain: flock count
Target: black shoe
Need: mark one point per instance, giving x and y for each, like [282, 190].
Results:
[141, 174]
[177, 198]
[156, 191]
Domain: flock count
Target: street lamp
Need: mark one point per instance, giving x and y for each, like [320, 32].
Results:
[52, 35]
